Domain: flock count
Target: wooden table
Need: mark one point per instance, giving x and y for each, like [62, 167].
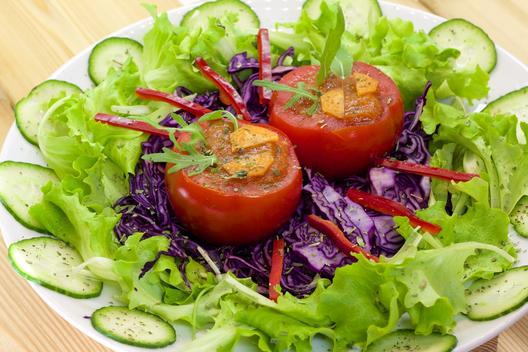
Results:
[38, 36]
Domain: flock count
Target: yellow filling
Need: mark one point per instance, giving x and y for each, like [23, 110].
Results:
[365, 84]
[249, 136]
[333, 103]
[250, 165]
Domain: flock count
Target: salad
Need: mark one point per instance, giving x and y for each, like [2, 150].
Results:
[325, 178]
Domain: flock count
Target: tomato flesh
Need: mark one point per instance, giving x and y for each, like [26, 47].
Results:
[340, 147]
[225, 210]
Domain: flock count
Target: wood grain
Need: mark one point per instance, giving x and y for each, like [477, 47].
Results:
[503, 20]
[38, 36]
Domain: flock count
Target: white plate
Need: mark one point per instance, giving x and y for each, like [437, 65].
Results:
[509, 74]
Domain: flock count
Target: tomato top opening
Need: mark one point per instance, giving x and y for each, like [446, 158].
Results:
[341, 146]
[350, 99]
[249, 194]
[249, 171]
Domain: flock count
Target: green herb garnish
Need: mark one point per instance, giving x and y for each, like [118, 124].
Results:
[199, 162]
[332, 45]
[299, 92]
[188, 155]
[342, 64]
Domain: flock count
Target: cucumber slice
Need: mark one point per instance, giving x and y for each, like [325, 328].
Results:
[29, 110]
[112, 52]
[20, 185]
[199, 16]
[358, 13]
[519, 217]
[515, 103]
[408, 341]
[133, 327]
[490, 299]
[476, 47]
[49, 262]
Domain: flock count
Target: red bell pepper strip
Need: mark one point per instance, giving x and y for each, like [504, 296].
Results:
[424, 170]
[225, 88]
[130, 124]
[390, 207]
[277, 260]
[264, 52]
[186, 105]
[331, 230]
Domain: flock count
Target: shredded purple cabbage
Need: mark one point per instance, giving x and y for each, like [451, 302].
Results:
[242, 65]
[309, 255]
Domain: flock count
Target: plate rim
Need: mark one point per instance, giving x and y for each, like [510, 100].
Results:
[147, 21]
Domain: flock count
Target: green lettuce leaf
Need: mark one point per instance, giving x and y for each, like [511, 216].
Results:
[63, 215]
[409, 57]
[479, 223]
[361, 303]
[491, 141]
[286, 332]
[121, 145]
[169, 51]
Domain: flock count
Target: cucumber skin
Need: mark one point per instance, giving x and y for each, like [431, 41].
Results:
[17, 105]
[10, 211]
[410, 331]
[306, 5]
[124, 340]
[484, 34]
[508, 311]
[205, 5]
[44, 284]
[519, 211]
[101, 45]
[490, 107]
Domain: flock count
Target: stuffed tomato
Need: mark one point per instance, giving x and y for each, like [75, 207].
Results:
[251, 191]
[358, 121]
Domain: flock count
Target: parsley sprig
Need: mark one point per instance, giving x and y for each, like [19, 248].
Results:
[193, 154]
[299, 92]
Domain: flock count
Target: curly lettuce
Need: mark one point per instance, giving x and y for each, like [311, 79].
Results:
[409, 57]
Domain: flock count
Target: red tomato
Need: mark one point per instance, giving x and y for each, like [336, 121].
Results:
[231, 211]
[334, 146]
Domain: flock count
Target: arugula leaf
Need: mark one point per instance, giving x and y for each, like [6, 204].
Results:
[342, 64]
[187, 155]
[332, 45]
[221, 114]
[300, 92]
[197, 161]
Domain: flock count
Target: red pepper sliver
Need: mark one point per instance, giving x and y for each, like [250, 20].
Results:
[390, 207]
[225, 88]
[186, 105]
[331, 230]
[130, 124]
[277, 260]
[264, 52]
[424, 170]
